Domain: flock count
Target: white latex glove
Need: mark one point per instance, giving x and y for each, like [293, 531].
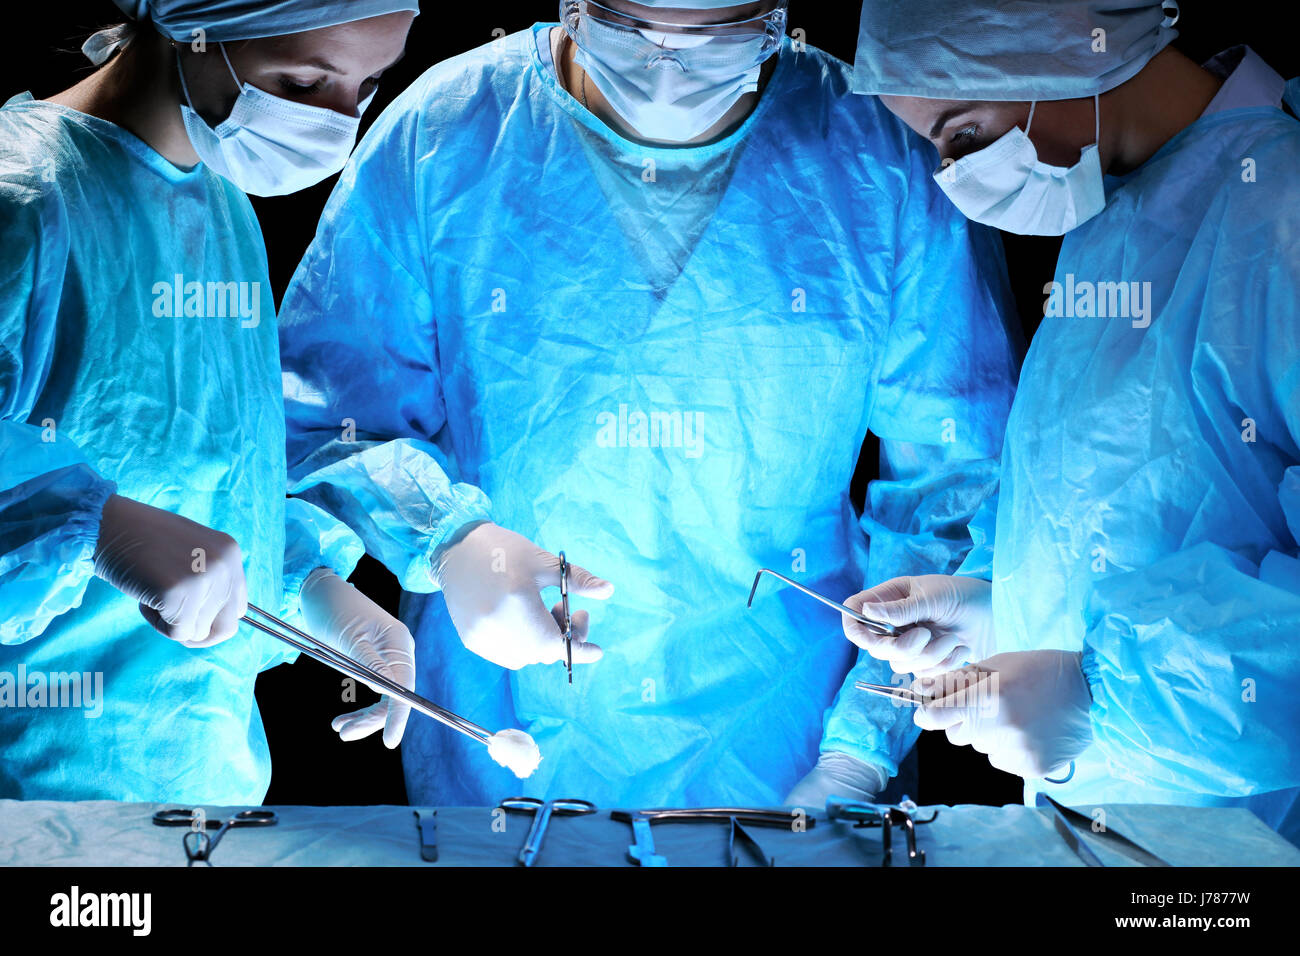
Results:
[491, 579]
[837, 775]
[188, 579]
[1028, 710]
[339, 615]
[952, 618]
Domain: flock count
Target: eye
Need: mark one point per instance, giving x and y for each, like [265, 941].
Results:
[299, 89]
[966, 134]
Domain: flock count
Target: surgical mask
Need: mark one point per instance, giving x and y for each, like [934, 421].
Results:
[1005, 186]
[670, 87]
[270, 146]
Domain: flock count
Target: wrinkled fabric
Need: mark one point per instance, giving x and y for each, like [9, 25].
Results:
[1006, 49]
[222, 20]
[502, 292]
[1150, 496]
[102, 390]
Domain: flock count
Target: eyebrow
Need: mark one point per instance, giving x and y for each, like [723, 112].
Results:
[947, 115]
[329, 67]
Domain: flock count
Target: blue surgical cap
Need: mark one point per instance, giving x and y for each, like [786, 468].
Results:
[222, 20]
[1007, 49]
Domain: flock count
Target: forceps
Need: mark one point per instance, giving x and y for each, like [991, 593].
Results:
[879, 627]
[904, 694]
[345, 665]
[542, 810]
[198, 845]
[568, 621]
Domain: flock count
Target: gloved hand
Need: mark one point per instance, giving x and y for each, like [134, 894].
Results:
[953, 618]
[837, 775]
[491, 578]
[150, 556]
[1028, 710]
[339, 615]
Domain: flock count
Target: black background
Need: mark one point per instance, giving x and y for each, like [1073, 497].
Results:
[310, 764]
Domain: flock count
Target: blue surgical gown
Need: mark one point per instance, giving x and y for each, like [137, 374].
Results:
[1150, 498]
[117, 374]
[663, 362]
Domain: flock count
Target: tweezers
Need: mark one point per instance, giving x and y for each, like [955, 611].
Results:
[879, 627]
[1067, 822]
[746, 815]
[371, 678]
[905, 694]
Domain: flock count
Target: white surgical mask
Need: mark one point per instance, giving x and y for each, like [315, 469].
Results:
[1004, 185]
[671, 88]
[270, 146]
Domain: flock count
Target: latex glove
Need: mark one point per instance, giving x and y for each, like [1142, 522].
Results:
[837, 775]
[942, 621]
[1028, 710]
[188, 579]
[339, 615]
[491, 578]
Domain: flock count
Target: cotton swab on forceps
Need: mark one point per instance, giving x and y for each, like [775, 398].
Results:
[510, 748]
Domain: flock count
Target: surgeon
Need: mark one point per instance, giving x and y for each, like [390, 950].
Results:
[142, 504]
[1143, 620]
[635, 286]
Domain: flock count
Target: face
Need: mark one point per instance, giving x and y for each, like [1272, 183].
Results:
[334, 67]
[1061, 128]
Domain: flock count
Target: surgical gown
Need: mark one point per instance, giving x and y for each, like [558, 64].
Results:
[1150, 499]
[663, 362]
[125, 367]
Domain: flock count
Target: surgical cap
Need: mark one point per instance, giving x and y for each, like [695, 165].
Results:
[223, 20]
[691, 4]
[1007, 49]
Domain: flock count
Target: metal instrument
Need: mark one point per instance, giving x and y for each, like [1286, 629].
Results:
[643, 851]
[568, 621]
[878, 627]
[904, 694]
[268, 624]
[199, 847]
[426, 821]
[542, 812]
[746, 839]
[865, 815]
[1068, 823]
[746, 815]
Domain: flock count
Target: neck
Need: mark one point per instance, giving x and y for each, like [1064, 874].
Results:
[138, 90]
[1166, 97]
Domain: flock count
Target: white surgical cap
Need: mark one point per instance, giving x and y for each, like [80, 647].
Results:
[687, 4]
[1007, 49]
[222, 20]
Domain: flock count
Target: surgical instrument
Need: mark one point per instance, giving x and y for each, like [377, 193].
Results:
[426, 821]
[568, 621]
[865, 815]
[904, 694]
[198, 823]
[747, 840]
[879, 627]
[542, 811]
[1067, 819]
[750, 816]
[643, 851]
[373, 679]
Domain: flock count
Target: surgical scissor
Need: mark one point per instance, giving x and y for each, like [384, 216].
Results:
[270, 624]
[568, 621]
[198, 845]
[542, 810]
[879, 627]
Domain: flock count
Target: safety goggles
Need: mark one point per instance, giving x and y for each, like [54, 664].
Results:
[738, 45]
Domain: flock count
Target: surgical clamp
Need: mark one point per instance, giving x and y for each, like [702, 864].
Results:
[863, 815]
[542, 810]
[198, 823]
[879, 627]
